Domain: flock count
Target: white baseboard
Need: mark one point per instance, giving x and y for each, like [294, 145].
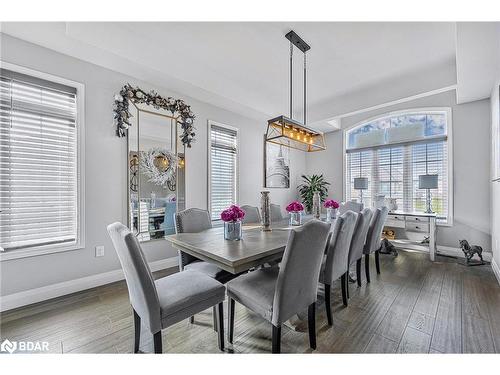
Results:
[496, 269]
[457, 252]
[27, 297]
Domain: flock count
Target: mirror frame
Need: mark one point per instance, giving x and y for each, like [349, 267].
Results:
[180, 203]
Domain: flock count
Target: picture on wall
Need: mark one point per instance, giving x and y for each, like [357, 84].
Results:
[276, 166]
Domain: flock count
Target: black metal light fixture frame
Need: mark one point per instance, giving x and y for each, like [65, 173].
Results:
[285, 130]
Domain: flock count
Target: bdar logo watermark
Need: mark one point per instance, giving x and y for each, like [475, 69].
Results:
[8, 346]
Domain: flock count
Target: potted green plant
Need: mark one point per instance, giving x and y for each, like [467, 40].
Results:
[310, 185]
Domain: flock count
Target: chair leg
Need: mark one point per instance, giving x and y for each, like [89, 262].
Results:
[347, 285]
[137, 332]
[157, 343]
[214, 315]
[276, 340]
[377, 261]
[358, 271]
[230, 319]
[343, 284]
[367, 267]
[312, 325]
[220, 325]
[328, 304]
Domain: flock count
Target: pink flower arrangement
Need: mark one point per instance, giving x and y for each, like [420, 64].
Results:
[233, 213]
[330, 203]
[295, 207]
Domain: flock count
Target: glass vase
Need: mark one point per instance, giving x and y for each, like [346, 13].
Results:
[295, 218]
[331, 214]
[232, 230]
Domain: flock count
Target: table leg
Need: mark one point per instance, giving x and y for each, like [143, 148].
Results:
[432, 238]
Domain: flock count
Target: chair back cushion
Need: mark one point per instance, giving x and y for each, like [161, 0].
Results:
[350, 206]
[338, 251]
[359, 235]
[140, 282]
[252, 214]
[375, 231]
[192, 220]
[297, 283]
[275, 211]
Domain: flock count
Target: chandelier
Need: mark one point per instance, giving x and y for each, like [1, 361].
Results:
[285, 130]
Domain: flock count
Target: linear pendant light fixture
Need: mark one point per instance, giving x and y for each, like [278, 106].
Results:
[286, 131]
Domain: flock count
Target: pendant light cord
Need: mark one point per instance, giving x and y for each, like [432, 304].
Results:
[291, 84]
[291, 80]
[305, 88]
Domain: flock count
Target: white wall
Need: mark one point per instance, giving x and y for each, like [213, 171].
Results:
[471, 153]
[105, 172]
[495, 186]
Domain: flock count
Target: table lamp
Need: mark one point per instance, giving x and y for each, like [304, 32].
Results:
[428, 182]
[361, 183]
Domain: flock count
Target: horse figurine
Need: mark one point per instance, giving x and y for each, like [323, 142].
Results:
[469, 250]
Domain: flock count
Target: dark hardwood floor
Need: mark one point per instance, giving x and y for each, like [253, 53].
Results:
[414, 306]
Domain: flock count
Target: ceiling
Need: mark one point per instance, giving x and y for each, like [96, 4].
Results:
[243, 67]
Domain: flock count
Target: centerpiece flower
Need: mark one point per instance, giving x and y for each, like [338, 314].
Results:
[232, 222]
[295, 210]
[331, 209]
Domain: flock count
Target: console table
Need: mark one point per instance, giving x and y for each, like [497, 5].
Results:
[411, 228]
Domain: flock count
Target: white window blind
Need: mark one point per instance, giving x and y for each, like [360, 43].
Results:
[394, 170]
[38, 162]
[223, 164]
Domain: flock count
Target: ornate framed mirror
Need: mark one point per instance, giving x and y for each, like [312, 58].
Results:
[156, 171]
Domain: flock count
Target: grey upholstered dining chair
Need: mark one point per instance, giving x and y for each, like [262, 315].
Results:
[252, 214]
[166, 301]
[373, 239]
[358, 242]
[275, 210]
[350, 206]
[335, 264]
[194, 220]
[278, 293]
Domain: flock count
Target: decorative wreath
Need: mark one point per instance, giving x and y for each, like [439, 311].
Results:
[159, 165]
[122, 114]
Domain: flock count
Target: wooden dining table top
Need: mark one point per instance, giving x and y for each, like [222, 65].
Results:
[255, 248]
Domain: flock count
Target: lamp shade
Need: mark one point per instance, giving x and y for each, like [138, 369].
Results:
[428, 181]
[361, 183]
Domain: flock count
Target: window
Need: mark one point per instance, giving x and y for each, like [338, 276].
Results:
[223, 165]
[394, 150]
[39, 164]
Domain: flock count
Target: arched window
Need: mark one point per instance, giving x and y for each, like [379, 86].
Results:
[392, 151]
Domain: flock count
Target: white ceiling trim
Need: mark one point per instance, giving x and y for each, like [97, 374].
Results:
[395, 102]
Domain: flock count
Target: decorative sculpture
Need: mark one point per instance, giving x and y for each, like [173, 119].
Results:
[469, 251]
[265, 209]
[387, 248]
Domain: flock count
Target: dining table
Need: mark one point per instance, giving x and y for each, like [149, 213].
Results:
[256, 247]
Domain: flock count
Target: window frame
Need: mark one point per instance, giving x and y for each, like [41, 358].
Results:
[80, 152]
[409, 111]
[209, 163]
